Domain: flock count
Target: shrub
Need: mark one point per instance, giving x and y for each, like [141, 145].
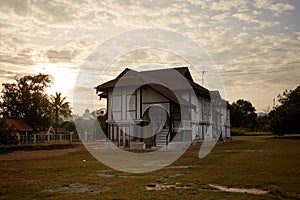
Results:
[238, 131]
[7, 135]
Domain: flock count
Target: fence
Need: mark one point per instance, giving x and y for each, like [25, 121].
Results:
[47, 138]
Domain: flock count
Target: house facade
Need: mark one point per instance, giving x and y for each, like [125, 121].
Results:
[159, 107]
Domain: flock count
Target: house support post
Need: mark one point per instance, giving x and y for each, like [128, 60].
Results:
[34, 138]
[48, 138]
[19, 138]
[71, 135]
[60, 138]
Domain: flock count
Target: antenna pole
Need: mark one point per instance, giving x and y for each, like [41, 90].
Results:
[203, 77]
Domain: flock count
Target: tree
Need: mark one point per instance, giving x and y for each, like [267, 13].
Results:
[7, 135]
[26, 100]
[102, 122]
[242, 114]
[285, 117]
[101, 115]
[60, 107]
[69, 126]
[262, 123]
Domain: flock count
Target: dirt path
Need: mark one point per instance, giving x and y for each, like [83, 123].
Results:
[39, 154]
[241, 190]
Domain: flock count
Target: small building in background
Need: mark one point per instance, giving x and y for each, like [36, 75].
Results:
[19, 126]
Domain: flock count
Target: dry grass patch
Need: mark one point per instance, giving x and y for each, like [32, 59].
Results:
[262, 163]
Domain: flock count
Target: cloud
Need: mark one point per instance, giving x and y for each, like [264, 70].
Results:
[281, 7]
[263, 4]
[61, 56]
[8, 75]
[245, 38]
[16, 6]
[222, 17]
[12, 52]
[227, 5]
[276, 8]
[260, 24]
[244, 17]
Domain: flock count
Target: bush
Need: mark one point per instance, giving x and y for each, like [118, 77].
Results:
[7, 135]
[69, 126]
[8, 138]
[246, 132]
[238, 131]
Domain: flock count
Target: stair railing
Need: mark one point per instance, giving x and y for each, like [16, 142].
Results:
[167, 137]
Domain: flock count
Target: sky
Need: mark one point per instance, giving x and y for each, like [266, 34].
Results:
[255, 44]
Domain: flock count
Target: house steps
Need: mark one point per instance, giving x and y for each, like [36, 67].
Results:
[161, 137]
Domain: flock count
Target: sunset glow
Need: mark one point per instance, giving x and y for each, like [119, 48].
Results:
[63, 78]
[255, 44]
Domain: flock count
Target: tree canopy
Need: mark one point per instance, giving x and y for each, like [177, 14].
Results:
[26, 99]
[285, 117]
[242, 114]
[60, 107]
[7, 136]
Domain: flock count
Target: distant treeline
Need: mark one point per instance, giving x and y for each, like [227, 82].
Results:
[282, 119]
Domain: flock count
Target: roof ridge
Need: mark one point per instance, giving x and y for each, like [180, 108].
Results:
[164, 69]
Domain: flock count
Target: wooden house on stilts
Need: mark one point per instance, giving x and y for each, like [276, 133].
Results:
[161, 107]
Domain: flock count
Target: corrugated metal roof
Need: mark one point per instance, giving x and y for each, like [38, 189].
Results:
[18, 124]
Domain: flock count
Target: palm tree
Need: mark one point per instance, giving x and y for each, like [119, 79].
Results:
[60, 107]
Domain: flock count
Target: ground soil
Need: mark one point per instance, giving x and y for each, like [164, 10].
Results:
[17, 153]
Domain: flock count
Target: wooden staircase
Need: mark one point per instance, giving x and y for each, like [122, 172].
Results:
[161, 138]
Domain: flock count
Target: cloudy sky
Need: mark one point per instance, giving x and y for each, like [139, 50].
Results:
[254, 43]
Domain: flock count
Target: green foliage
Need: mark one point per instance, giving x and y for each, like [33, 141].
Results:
[285, 118]
[26, 99]
[85, 126]
[242, 114]
[237, 131]
[7, 136]
[102, 122]
[262, 123]
[94, 127]
[69, 126]
[244, 132]
[60, 107]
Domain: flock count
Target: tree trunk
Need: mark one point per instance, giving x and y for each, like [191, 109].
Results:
[56, 121]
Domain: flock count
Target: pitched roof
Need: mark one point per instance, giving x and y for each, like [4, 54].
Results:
[164, 77]
[216, 96]
[18, 124]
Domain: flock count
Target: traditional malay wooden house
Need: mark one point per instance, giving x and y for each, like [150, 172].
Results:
[136, 100]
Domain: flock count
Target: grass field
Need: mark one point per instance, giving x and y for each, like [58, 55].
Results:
[244, 132]
[53, 172]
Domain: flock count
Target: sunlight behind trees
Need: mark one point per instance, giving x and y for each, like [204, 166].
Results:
[26, 99]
